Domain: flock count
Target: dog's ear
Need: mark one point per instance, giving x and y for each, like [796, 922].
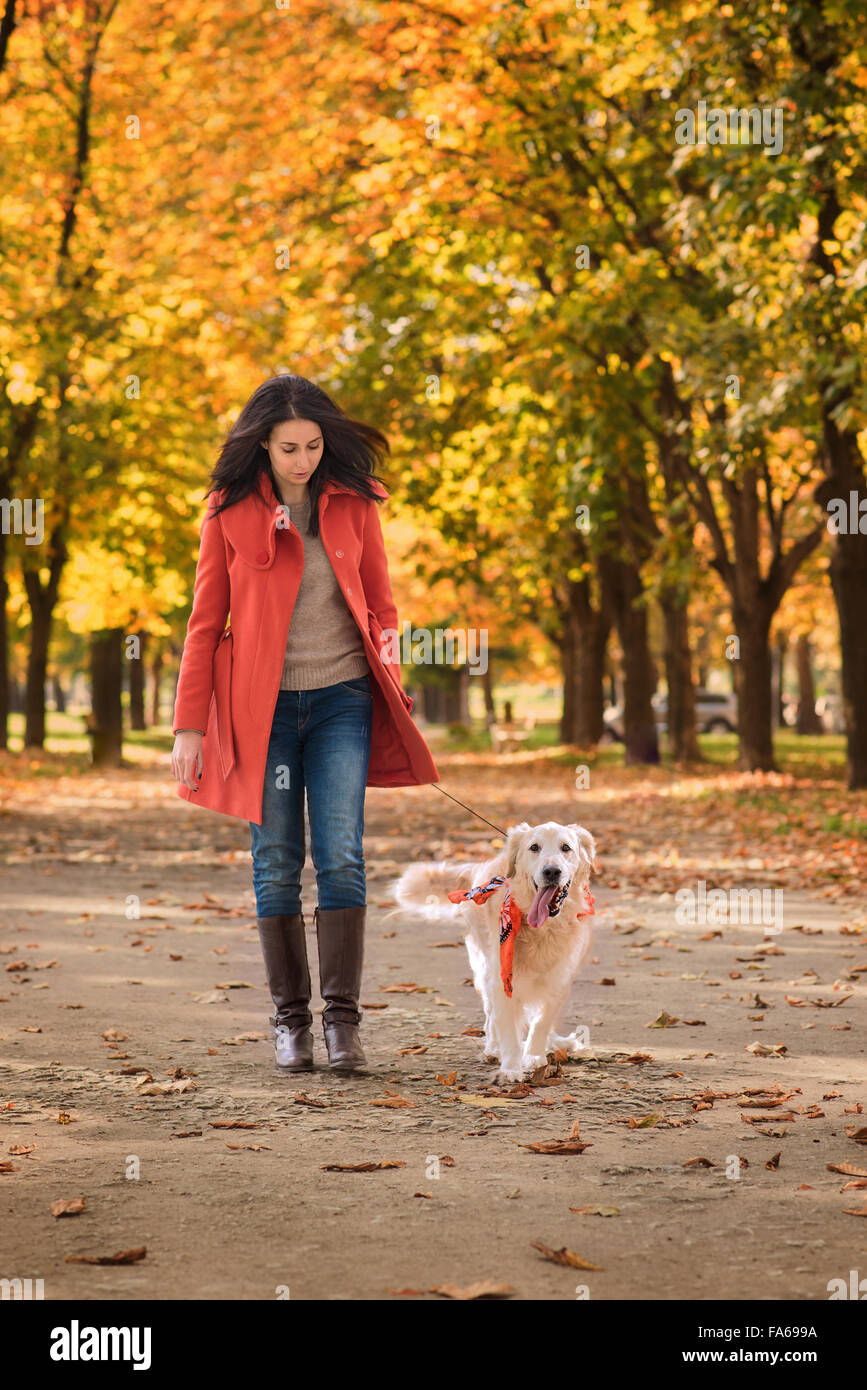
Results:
[512, 845]
[586, 845]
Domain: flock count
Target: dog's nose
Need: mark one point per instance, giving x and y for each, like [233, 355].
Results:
[550, 873]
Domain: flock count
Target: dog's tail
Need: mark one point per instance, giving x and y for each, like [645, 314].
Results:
[424, 888]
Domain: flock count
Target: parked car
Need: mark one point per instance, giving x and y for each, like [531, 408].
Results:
[715, 713]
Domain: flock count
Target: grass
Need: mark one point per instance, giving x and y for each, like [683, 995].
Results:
[809, 758]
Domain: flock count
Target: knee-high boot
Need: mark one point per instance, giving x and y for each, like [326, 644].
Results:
[340, 935]
[284, 948]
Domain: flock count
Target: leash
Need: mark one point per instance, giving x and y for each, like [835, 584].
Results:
[468, 808]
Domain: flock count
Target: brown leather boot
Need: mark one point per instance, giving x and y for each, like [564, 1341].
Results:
[340, 935]
[284, 949]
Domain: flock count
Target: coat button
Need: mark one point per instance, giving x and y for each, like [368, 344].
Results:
[262, 557]
[339, 554]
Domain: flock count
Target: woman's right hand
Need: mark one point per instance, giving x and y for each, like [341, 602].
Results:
[187, 762]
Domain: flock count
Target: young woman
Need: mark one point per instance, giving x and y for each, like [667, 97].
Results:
[301, 693]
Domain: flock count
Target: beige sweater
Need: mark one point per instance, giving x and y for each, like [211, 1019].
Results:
[324, 644]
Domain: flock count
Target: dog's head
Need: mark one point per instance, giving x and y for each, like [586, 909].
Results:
[547, 863]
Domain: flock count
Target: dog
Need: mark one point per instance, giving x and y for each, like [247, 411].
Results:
[547, 868]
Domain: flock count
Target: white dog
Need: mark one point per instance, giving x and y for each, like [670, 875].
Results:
[547, 868]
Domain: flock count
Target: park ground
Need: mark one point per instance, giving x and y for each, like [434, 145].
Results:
[720, 1097]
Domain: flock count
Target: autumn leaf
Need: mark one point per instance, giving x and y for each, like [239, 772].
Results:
[664, 1020]
[70, 1207]
[563, 1256]
[362, 1167]
[123, 1257]
[572, 1144]
[485, 1288]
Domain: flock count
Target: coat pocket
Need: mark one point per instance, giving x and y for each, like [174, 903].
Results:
[223, 657]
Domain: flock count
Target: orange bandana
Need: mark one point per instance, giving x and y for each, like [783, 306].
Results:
[510, 920]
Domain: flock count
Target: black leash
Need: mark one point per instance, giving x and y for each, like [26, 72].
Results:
[468, 808]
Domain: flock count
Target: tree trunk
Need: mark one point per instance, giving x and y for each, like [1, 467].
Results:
[623, 584]
[808, 720]
[682, 732]
[156, 677]
[488, 693]
[37, 663]
[582, 655]
[41, 599]
[848, 570]
[5, 678]
[59, 693]
[753, 683]
[444, 699]
[781, 647]
[106, 675]
[135, 671]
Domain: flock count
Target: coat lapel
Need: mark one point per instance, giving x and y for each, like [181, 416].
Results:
[251, 525]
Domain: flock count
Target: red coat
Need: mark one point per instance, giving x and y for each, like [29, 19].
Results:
[229, 677]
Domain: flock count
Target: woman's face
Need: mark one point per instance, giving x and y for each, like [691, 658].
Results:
[295, 449]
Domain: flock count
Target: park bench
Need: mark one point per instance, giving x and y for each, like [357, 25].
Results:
[507, 736]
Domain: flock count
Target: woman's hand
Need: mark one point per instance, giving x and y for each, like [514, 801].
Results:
[187, 762]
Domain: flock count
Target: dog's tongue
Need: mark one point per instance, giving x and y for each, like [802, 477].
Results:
[539, 907]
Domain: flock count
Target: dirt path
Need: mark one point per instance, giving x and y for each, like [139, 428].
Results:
[243, 1212]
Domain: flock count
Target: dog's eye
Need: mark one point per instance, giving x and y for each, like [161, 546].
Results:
[534, 848]
[567, 849]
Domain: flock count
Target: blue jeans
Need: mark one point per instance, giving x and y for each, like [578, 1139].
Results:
[320, 740]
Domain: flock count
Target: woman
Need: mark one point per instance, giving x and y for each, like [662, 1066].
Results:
[298, 694]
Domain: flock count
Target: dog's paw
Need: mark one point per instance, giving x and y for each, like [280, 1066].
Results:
[506, 1075]
[532, 1063]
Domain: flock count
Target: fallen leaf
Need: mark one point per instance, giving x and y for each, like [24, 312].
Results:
[485, 1288]
[572, 1144]
[362, 1167]
[563, 1256]
[70, 1207]
[123, 1257]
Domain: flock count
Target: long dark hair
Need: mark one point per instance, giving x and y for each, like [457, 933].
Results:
[350, 449]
